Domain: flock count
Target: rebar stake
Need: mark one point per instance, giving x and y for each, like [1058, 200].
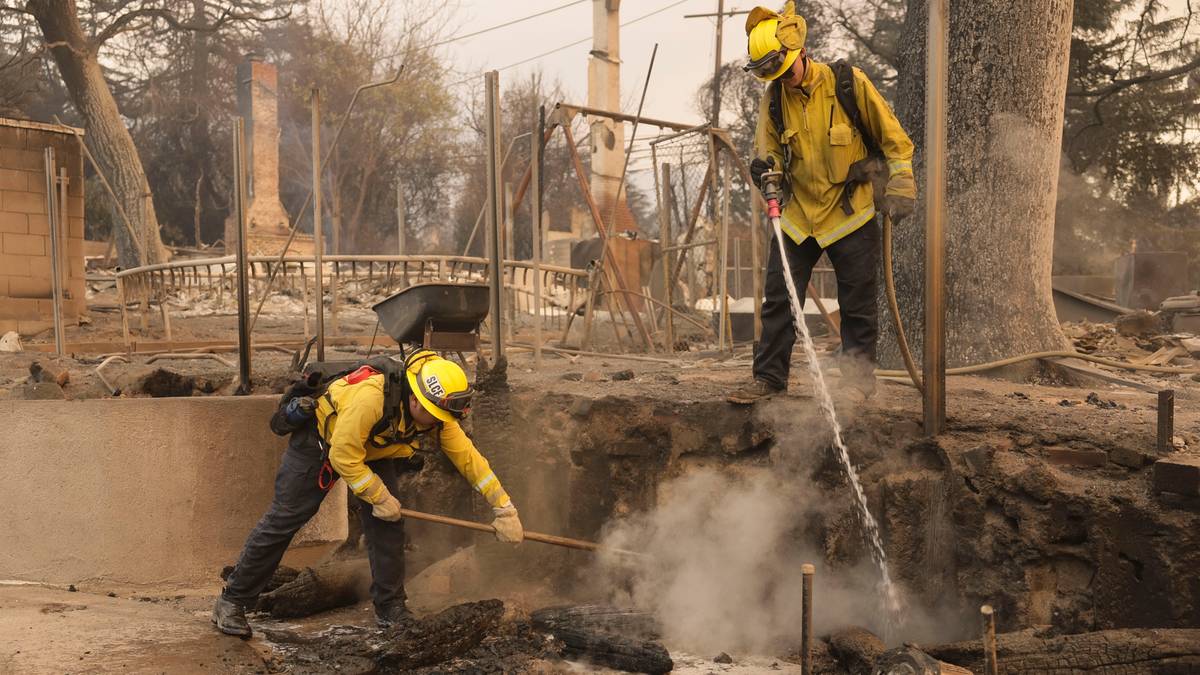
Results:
[989, 640]
[807, 570]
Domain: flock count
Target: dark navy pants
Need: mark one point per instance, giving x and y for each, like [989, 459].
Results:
[855, 259]
[297, 498]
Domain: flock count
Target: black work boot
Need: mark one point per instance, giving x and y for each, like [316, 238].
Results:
[386, 617]
[230, 618]
[753, 392]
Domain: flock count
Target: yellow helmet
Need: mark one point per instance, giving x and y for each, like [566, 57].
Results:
[774, 41]
[440, 385]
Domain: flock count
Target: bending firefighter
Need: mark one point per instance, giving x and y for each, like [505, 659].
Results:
[844, 158]
[356, 427]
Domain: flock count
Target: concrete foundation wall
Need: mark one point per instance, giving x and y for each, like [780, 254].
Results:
[139, 491]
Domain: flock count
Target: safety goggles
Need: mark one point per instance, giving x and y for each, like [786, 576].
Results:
[457, 404]
[767, 65]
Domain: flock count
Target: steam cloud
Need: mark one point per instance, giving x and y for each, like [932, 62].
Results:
[725, 548]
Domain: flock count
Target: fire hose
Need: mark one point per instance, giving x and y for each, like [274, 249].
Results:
[910, 366]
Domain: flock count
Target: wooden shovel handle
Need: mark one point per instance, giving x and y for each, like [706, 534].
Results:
[480, 527]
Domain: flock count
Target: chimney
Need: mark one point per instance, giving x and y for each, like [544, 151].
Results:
[258, 104]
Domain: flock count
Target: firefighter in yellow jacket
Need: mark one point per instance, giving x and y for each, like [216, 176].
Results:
[348, 432]
[807, 132]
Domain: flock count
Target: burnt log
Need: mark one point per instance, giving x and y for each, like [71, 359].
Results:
[856, 648]
[450, 633]
[616, 620]
[1154, 651]
[606, 636]
[318, 589]
[909, 660]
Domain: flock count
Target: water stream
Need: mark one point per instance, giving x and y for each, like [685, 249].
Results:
[887, 588]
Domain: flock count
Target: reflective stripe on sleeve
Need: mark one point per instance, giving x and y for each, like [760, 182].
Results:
[896, 166]
[362, 482]
[485, 481]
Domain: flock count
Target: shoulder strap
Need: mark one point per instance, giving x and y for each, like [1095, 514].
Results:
[775, 106]
[843, 75]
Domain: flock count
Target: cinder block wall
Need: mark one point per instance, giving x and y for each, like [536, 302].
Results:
[25, 264]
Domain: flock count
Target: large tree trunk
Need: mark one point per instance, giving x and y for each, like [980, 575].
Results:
[1007, 83]
[107, 136]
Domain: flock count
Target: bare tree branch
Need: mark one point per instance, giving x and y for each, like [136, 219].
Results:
[1118, 85]
[127, 20]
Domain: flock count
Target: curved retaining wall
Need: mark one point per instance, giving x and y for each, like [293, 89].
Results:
[139, 491]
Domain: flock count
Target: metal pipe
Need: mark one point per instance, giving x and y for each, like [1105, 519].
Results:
[1166, 420]
[807, 570]
[617, 116]
[536, 164]
[193, 357]
[243, 292]
[991, 667]
[318, 234]
[664, 226]
[100, 372]
[52, 219]
[724, 264]
[494, 214]
[934, 403]
[677, 134]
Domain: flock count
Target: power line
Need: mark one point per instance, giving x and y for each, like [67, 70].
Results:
[506, 24]
[498, 26]
[575, 43]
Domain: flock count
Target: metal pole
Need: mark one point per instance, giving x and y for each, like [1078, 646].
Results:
[400, 227]
[665, 235]
[494, 216]
[536, 159]
[737, 267]
[1166, 420]
[991, 667]
[318, 234]
[935, 214]
[807, 570]
[401, 235]
[53, 217]
[243, 291]
[509, 234]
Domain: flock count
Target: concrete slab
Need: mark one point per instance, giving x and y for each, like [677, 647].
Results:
[54, 631]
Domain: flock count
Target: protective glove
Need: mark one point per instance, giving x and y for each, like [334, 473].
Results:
[508, 524]
[758, 167]
[898, 207]
[387, 508]
[300, 409]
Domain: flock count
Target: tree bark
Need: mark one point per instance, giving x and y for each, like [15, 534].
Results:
[110, 141]
[1007, 81]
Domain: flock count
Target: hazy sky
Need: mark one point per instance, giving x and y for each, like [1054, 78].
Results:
[683, 63]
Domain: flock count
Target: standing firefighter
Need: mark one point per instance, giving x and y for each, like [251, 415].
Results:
[356, 426]
[843, 155]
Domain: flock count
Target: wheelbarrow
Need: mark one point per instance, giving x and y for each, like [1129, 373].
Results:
[438, 316]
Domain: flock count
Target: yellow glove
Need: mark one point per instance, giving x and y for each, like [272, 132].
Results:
[387, 508]
[508, 524]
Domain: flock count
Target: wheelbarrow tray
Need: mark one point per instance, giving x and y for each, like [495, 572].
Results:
[452, 308]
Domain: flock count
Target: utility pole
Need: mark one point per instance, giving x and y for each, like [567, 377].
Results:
[715, 118]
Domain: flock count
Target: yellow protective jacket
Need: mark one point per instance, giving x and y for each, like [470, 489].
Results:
[824, 144]
[345, 418]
